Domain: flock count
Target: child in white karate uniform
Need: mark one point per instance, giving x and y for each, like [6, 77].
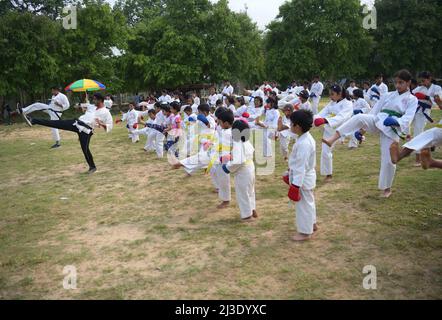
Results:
[339, 110]
[222, 154]
[157, 134]
[149, 146]
[391, 118]
[242, 167]
[189, 123]
[360, 106]
[427, 93]
[174, 129]
[131, 117]
[302, 175]
[316, 93]
[269, 126]
[284, 132]
[205, 136]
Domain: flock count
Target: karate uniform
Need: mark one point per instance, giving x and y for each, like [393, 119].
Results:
[306, 106]
[285, 136]
[316, 89]
[405, 105]
[174, 135]
[165, 99]
[201, 160]
[108, 103]
[240, 111]
[189, 134]
[156, 137]
[302, 174]
[131, 117]
[269, 132]
[53, 110]
[222, 148]
[213, 99]
[243, 169]
[427, 139]
[227, 91]
[149, 146]
[254, 94]
[364, 106]
[336, 114]
[422, 114]
[351, 90]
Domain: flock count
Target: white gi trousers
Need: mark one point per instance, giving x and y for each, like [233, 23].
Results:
[368, 122]
[305, 212]
[427, 139]
[245, 190]
[327, 152]
[420, 121]
[46, 109]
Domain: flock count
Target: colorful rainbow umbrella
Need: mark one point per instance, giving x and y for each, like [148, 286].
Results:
[85, 85]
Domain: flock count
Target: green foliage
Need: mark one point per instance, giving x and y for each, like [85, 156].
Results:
[192, 41]
[408, 36]
[317, 36]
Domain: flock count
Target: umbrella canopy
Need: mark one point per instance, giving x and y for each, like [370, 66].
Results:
[85, 85]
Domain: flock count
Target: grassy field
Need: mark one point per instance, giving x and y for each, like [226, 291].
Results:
[138, 230]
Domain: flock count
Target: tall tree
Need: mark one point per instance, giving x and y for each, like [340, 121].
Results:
[317, 36]
[408, 36]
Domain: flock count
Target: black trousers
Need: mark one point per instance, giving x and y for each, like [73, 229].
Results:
[68, 125]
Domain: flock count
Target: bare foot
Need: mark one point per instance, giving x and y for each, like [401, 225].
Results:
[328, 179]
[328, 143]
[254, 214]
[425, 159]
[215, 191]
[223, 205]
[177, 166]
[387, 193]
[301, 237]
[394, 152]
[315, 227]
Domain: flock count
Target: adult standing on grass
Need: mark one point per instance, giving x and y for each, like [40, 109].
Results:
[58, 104]
[95, 116]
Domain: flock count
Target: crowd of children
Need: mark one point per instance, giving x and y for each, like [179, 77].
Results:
[218, 134]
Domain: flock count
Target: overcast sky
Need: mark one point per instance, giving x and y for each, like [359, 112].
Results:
[261, 11]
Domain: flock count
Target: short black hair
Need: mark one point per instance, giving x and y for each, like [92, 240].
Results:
[241, 100]
[204, 107]
[175, 106]
[273, 102]
[157, 105]
[225, 116]
[240, 131]
[260, 99]
[403, 74]
[231, 99]
[358, 93]
[219, 111]
[165, 107]
[98, 96]
[303, 118]
[151, 111]
[187, 109]
[219, 102]
[56, 87]
[425, 75]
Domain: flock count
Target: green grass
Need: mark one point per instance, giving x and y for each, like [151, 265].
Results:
[138, 230]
